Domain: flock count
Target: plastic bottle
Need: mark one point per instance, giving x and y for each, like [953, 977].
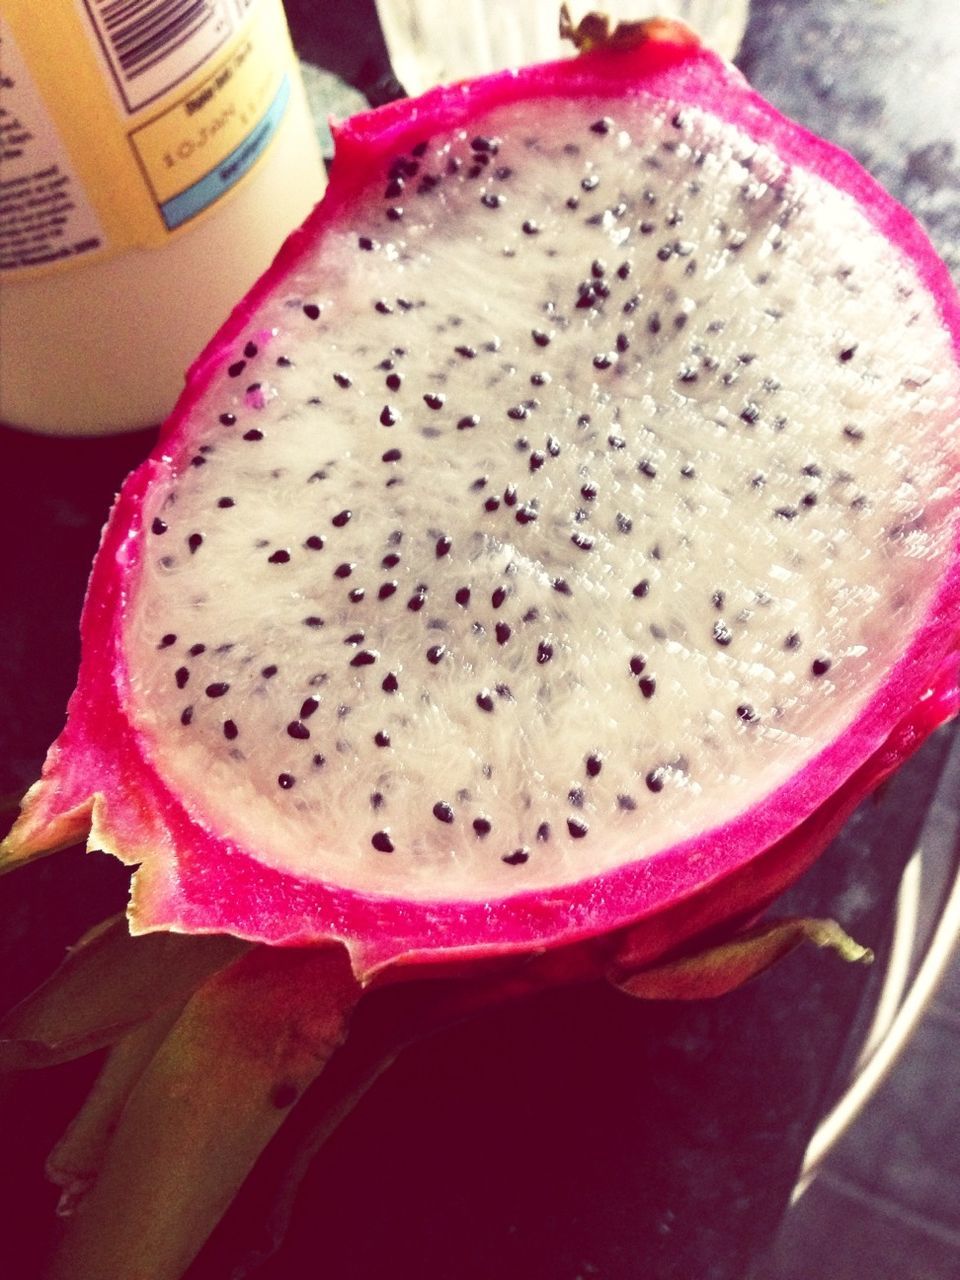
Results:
[153, 155]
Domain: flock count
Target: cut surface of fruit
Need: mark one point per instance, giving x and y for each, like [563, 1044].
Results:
[573, 504]
[599, 495]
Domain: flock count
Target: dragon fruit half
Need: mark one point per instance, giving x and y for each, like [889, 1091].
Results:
[546, 556]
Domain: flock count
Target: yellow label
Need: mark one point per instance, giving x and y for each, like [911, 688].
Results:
[196, 136]
[140, 132]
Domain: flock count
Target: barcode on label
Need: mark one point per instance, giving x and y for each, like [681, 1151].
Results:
[151, 45]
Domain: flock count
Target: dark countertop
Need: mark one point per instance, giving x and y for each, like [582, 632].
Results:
[583, 1134]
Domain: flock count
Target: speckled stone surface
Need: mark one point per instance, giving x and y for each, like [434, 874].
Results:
[881, 80]
[582, 1135]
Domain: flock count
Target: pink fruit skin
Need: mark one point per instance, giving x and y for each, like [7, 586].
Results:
[192, 880]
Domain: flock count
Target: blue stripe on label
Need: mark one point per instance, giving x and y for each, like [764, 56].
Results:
[208, 189]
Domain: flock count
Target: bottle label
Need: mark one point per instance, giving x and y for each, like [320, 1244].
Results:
[121, 123]
[45, 216]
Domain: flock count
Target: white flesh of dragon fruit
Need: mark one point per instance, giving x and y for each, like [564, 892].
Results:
[571, 498]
